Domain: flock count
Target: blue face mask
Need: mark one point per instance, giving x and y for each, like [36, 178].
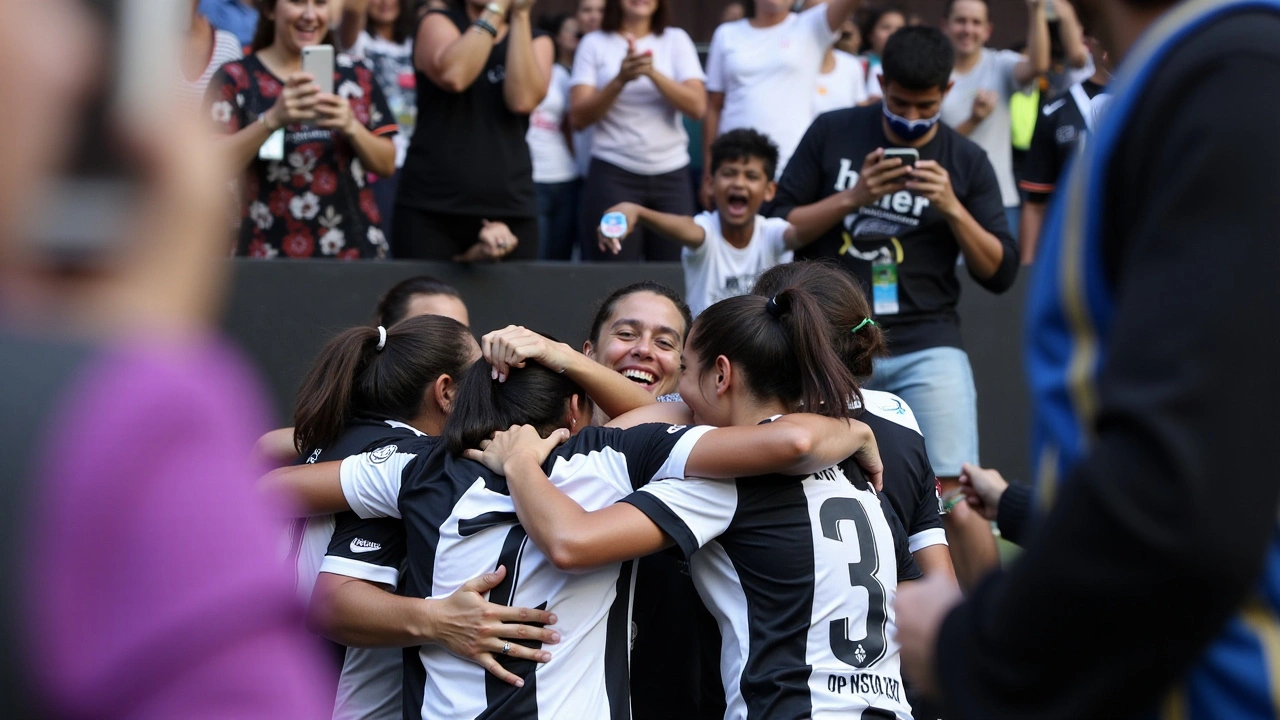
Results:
[910, 130]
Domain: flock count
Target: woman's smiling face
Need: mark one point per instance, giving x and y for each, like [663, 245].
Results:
[642, 339]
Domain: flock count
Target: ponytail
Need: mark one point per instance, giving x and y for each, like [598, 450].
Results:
[376, 372]
[532, 395]
[782, 346]
[857, 341]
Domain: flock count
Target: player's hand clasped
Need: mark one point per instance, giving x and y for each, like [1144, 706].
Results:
[516, 442]
[475, 629]
[982, 489]
[514, 346]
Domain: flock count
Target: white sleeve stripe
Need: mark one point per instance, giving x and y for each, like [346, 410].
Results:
[372, 487]
[380, 574]
[679, 457]
[927, 538]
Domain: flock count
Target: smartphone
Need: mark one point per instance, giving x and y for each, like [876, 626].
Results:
[317, 60]
[135, 78]
[908, 156]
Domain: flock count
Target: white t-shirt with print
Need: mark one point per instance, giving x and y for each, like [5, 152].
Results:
[995, 71]
[392, 66]
[769, 75]
[717, 270]
[548, 146]
[843, 87]
[642, 133]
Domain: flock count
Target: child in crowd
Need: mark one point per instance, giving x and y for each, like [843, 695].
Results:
[725, 250]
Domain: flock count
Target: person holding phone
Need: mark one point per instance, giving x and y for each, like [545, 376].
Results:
[304, 154]
[900, 224]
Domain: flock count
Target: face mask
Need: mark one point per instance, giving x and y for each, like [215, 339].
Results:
[910, 130]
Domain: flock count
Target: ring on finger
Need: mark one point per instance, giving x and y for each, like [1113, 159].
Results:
[506, 648]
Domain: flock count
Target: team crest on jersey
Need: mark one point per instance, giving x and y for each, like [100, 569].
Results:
[675, 429]
[860, 654]
[382, 454]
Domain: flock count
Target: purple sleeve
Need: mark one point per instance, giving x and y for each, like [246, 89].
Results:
[158, 592]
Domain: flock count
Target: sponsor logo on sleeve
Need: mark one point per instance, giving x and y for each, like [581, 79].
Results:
[360, 545]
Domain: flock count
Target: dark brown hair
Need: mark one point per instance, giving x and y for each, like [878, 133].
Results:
[532, 395]
[405, 25]
[610, 304]
[782, 347]
[612, 21]
[352, 378]
[265, 34]
[395, 304]
[842, 301]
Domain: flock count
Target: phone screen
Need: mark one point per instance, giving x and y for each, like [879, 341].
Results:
[908, 156]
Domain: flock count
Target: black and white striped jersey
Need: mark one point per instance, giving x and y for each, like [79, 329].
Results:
[374, 550]
[460, 523]
[909, 481]
[801, 574]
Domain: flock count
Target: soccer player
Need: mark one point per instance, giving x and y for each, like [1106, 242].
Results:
[774, 557]
[458, 516]
[1152, 584]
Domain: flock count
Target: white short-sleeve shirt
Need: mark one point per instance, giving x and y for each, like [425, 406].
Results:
[548, 145]
[995, 71]
[843, 87]
[642, 133]
[717, 270]
[769, 75]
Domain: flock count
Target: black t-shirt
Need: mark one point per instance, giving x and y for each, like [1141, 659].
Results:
[1058, 132]
[468, 155]
[902, 226]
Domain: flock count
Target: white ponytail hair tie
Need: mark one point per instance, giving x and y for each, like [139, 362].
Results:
[382, 338]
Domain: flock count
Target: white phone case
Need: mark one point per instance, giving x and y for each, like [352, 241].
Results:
[318, 61]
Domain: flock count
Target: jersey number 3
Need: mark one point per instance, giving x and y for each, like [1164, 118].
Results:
[858, 653]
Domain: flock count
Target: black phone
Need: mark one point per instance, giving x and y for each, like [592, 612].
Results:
[908, 156]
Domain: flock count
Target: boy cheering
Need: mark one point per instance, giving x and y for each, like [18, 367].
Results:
[726, 250]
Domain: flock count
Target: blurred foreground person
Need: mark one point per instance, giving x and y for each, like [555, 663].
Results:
[1152, 584]
[132, 543]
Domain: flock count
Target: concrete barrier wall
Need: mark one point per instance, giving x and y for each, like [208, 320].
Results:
[281, 313]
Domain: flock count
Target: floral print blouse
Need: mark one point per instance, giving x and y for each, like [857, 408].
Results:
[315, 203]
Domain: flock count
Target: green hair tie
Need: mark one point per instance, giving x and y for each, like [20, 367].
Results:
[865, 322]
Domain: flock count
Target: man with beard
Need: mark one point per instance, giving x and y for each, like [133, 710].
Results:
[1153, 581]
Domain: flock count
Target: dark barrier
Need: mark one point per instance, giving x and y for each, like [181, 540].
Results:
[282, 312]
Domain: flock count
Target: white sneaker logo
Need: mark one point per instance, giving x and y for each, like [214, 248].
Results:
[363, 546]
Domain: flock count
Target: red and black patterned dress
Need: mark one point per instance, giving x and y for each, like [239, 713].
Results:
[316, 202]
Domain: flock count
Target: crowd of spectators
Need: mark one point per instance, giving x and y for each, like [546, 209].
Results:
[519, 157]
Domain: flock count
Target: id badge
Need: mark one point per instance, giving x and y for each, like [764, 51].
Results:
[884, 285]
[273, 148]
